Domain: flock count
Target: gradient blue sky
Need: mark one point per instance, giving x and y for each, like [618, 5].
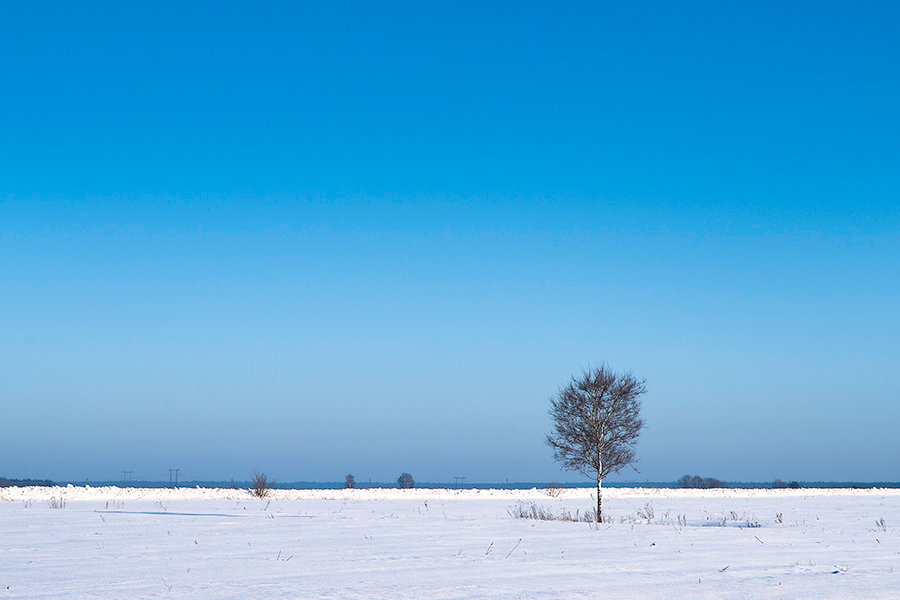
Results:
[319, 239]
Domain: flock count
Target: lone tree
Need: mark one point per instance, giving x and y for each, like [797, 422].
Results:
[596, 423]
[406, 481]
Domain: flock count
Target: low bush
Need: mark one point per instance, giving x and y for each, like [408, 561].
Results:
[261, 484]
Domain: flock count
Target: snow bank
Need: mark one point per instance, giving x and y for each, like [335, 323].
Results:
[111, 493]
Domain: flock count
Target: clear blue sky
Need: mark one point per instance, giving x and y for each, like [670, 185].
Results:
[320, 239]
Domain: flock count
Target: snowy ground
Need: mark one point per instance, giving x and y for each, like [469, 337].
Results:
[80, 542]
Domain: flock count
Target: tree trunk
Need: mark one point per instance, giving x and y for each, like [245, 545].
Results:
[599, 490]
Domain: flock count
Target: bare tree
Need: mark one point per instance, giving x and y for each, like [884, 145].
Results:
[596, 423]
[349, 482]
[405, 481]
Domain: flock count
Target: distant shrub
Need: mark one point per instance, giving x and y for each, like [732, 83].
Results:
[779, 484]
[405, 481]
[261, 484]
[702, 483]
[554, 489]
[349, 482]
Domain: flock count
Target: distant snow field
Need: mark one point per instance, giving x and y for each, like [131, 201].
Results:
[78, 542]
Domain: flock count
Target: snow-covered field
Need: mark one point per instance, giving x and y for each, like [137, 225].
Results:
[81, 542]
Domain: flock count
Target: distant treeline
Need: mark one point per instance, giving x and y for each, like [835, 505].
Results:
[701, 483]
[4, 482]
[329, 485]
[779, 484]
[707, 483]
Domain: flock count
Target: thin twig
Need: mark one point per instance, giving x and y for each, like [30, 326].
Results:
[514, 548]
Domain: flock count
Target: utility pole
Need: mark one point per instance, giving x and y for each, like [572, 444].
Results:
[126, 476]
[175, 473]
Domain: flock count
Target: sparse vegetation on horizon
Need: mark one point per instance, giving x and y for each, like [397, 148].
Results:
[779, 484]
[4, 482]
[702, 483]
[406, 481]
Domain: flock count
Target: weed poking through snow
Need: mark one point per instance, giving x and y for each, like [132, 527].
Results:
[531, 510]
